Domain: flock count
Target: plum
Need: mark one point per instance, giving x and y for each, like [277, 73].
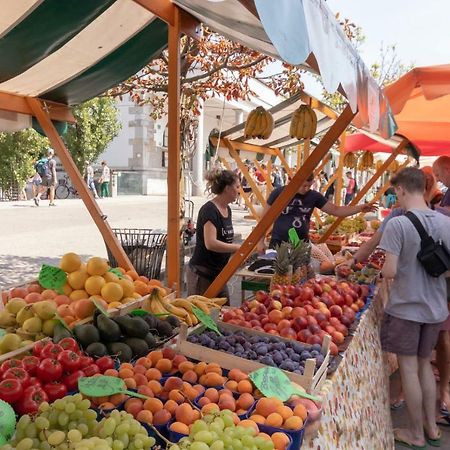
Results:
[224, 345]
[296, 357]
[305, 354]
[288, 365]
[266, 360]
[261, 349]
[252, 354]
[317, 347]
[277, 358]
[239, 348]
[297, 347]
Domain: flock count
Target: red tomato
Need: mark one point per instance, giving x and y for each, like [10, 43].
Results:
[49, 370]
[11, 390]
[104, 363]
[51, 351]
[85, 361]
[35, 382]
[17, 373]
[9, 365]
[30, 364]
[37, 349]
[69, 360]
[71, 381]
[69, 344]
[55, 390]
[91, 370]
[32, 397]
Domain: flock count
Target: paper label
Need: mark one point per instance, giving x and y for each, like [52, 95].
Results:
[205, 319]
[62, 322]
[51, 277]
[2, 332]
[100, 307]
[293, 237]
[103, 386]
[7, 420]
[116, 271]
[139, 312]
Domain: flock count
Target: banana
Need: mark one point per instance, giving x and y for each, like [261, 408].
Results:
[201, 305]
[270, 124]
[250, 123]
[219, 301]
[193, 318]
[175, 310]
[182, 303]
[264, 125]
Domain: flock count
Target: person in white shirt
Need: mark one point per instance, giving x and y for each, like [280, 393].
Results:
[104, 180]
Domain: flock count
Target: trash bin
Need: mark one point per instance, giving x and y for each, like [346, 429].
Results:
[144, 247]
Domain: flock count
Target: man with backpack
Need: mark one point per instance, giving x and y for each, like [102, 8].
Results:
[417, 304]
[46, 168]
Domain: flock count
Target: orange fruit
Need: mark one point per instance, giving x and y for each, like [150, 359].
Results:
[97, 266]
[126, 373]
[112, 292]
[133, 274]
[67, 289]
[70, 262]
[78, 294]
[94, 284]
[111, 277]
[140, 288]
[77, 279]
[127, 286]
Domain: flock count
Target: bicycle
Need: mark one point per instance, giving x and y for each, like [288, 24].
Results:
[64, 189]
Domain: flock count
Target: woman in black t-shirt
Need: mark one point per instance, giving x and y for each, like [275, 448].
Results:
[214, 233]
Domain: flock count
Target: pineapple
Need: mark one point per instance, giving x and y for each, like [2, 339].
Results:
[283, 268]
[300, 258]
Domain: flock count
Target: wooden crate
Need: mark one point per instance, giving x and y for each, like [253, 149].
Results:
[20, 351]
[310, 381]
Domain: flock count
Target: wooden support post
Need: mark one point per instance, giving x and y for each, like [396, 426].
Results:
[330, 181]
[243, 169]
[306, 149]
[360, 195]
[322, 165]
[280, 203]
[174, 167]
[299, 155]
[340, 172]
[269, 185]
[83, 190]
[284, 162]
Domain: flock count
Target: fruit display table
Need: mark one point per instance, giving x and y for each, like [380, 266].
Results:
[252, 281]
[355, 413]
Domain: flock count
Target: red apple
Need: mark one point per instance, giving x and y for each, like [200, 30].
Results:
[284, 323]
[261, 296]
[310, 309]
[277, 305]
[288, 333]
[255, 323]
[317, 288]
[314, 328]
[299, 312]
[329, 329]
[263, 319]
[338, 338]
[311, 320]
[334, 321]
[299, 323]
[314, 339]
[303, 335]
[334, 349]
[258, 328]
[261, 309]
[320, 316]
[345, 320]
[287, 311]
[342, 329]
[228, 315]
[336, 311]
[306, 293]
[269, 326]
[275, 316]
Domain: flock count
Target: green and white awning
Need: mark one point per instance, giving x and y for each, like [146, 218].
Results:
[69, 51]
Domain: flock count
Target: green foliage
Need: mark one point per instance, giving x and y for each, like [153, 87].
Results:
[97, 125]
[18, 153]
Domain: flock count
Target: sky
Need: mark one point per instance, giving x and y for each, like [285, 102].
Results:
[420, 29]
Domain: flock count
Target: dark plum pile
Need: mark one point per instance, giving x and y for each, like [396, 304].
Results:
[290, 356]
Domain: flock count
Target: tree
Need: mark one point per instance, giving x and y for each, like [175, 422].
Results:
[97, 125]
[18, 153]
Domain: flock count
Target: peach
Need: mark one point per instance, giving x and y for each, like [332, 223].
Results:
[185, 366]
[179, 427]
[274, 420]
[212, 394]
[133, 406]
[145, 416]
[245, 386]
[293, 423]
[153, 404]
[173, 383]
[164, 365]
[184, 414]
[161, 417]
[190, 376]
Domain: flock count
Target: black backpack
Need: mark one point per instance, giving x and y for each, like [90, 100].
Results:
[434, 256]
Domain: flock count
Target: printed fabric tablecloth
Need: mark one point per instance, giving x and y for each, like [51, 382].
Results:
[356, 413]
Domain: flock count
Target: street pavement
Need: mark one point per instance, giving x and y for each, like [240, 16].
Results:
[30, 235]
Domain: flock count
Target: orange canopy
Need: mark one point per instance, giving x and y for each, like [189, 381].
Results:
[420, 101]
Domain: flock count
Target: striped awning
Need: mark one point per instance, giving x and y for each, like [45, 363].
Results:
[69, 51]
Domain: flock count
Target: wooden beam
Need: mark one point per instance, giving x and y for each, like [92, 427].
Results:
[269, 185]
[280, 203]
[299, 155]
[360, 195]
[317, 104]
[245, 172]
[251, 147]
[322, 164]
[174, 156]
[340, 172]
[330, 181]
[83, 190]
[306, 148]
[19, 104]
[285, 164]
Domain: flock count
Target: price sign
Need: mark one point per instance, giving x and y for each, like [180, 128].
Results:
[205, 319]
[293, 237]
[52, 277]
[117, 272]
[272, 382]
[2, 332]
[7, 420]
[103, 386]
[139, 312]
[100, 307]
[62, 322]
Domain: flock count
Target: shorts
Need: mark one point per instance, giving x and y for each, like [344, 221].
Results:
[408, 338]
[198, 284]
[48, 181]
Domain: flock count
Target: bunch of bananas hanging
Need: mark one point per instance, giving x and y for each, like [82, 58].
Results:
[350, 160]
[303, 123]
[259, 124]
[378, 164]
[393, 167]
[366, 161]
[181, 307]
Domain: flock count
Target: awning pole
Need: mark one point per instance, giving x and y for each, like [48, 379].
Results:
[80, 185]
[360, 195]
[174, 166]
[280, 203]
[340, 172]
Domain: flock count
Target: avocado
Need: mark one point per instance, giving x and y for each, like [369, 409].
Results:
[121, 350]
[139, 347]
[164, 328]
[174, 321]
[60, 332]
[136, 327]
[151, 320]
[97, 349]
[109, 330]
[86, 334]
[151, 341]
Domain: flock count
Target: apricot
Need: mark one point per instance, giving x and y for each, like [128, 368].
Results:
[212, 394]
[264, 436]
[133, 406]
[130, 383]
[173, 383]
[145, 416]
[141, 380]
[274, 420]
[106, 406]
[145, 390]
[153, 404]
[285, 412]
[280, 441]
[143, 361]
[257, 418]
[210, 408]
[300, 411]
[237, 375]
[266, 406]
[138, 368]
[185, 366]
[190, 393]
[245, 401]
[226, 402]
[213, 368]
[168, 353]
[171, 406]
[117, 399]
[293, 423]
[155, 356]
[245, 386]
[197, 414]
[161, 417]
[164, 365]
[223, 392]
[126, 366]
[111, 373]
[248, 423]
[99, 400]
[153, 374]
[199, 368]
[155, 386]
[190, 376]
[204, 401]
[178, 360]
[213, 379]
[179, 427]
[177, 396]
[184, 414]
[199, 388]
[231, 385]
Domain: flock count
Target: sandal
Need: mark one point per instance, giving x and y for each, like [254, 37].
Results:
[406, 444]
[433, 442]
[445, 423]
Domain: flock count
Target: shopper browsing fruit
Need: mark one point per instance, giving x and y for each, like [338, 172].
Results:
[104, 180]
[441, 169]
[214, 233]
[297, 213]
[46, 168]
[416, 307]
